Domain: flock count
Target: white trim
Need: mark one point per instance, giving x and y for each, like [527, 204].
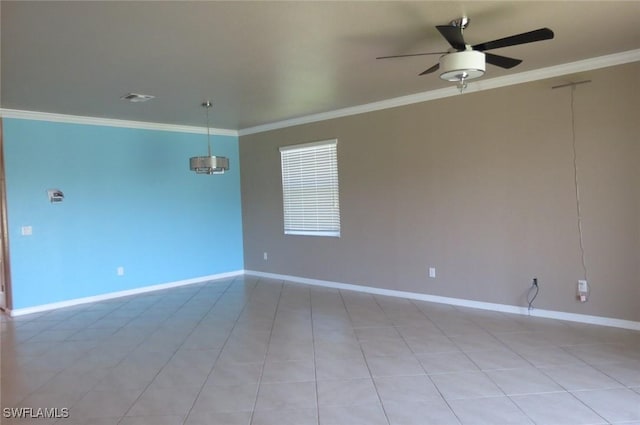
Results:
[128, 292]
[475, 86]
[329, 233]
[109, 122]
[310, 145]
[504, 308]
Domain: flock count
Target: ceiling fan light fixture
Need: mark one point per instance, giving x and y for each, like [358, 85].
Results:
[209, 164]
[462, 66]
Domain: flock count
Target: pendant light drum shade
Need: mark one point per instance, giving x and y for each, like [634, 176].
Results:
[209, 164]
[460, 66]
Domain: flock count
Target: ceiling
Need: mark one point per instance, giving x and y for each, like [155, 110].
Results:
[263, 62]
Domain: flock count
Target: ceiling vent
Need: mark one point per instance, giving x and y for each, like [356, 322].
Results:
[136, 97]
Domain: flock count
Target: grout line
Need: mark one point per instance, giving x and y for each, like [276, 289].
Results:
[373, 381]
[229, 285]
[315, 364]
[176, 350]
[266, 354]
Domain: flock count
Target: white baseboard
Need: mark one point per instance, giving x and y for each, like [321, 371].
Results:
[504, 308]
[112, 295]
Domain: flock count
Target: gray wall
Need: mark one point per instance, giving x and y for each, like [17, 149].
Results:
[480, 186]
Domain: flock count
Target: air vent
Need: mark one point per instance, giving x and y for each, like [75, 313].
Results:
[136, 97]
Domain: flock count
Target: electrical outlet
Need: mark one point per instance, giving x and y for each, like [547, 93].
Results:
[120, 271]
[265, 256]
[583, 286]
[26, 230]
[432, 272]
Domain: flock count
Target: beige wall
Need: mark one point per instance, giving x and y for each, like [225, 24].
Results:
[480, 186]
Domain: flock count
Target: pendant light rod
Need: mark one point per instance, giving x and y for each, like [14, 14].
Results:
[208, 105]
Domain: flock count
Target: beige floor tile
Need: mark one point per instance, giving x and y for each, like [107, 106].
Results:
[523, 381]
[498, 359]
[159, 400]
[580, 377]
[346, 392]
[615, 405]
[223, 353]
[218, 418]
[104, 404]
[152, 420]
[87, 421]
[395, 347]
[361, 414]
[184, 376]
[489, 411]
[627, 373]
[235, 398]
[287, 350]
[456, 361]
[394, 366]
[289, 371]
[557, 408]
[341, 368]
[465, 385]
[285, 417]
[406, 388]
[286, 395]
[431, 344]
[548, 356]
[227, 373]
[376, 332]
[127, 376]
[433, 411]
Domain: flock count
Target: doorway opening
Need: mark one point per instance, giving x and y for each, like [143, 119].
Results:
[5, 274]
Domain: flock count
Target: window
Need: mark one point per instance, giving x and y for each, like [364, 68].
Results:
[310, 189]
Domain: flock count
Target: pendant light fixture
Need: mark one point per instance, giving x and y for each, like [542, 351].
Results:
[208, 164]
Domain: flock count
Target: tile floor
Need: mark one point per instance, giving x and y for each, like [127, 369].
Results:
[250, 351]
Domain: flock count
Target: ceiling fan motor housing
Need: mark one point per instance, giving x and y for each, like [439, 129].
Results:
[465, 65]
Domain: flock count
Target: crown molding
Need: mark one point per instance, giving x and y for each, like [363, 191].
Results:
[474, 86]
[109, 122]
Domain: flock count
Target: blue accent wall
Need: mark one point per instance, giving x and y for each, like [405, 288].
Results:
[130, 201]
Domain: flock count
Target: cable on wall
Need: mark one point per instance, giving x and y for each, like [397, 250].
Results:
[532, 294]
[576, 184]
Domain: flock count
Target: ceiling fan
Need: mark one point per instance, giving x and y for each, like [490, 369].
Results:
[464, 62]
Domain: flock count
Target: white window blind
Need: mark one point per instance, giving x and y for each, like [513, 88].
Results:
[310, 189]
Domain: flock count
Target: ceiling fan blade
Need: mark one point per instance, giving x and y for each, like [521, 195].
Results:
[430, 70]
[409, 55]
[453, 35]
[502, 61]
[526, 37]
